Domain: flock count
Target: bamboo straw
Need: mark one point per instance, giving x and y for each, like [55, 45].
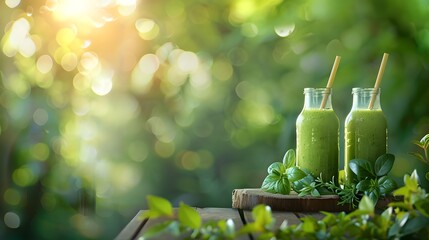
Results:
[378, 80]
[330, 81]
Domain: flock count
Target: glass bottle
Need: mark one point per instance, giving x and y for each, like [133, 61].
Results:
[317, 135]
[365, 129]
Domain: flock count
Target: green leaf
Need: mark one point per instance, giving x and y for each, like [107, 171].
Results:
[295, 174]
[414, 225]
[364, 185]
[418, 143]
[315, 193]
[384, 164]
[309, 224]
[163, 227]
[303, 182]
[250, 228]
[425, 141]
[362, 168]
[158, 207]
[418, 156]
[427, 176]
[269, 183]
[411, 182]
[374, 194]
[282, 186]
[262, 215]
[401, 205]
[387, 185]
[423, 206]
[289, 158]
[402, 191]
[366, 205]
[188, 216]
[387, 213]
[276, 168]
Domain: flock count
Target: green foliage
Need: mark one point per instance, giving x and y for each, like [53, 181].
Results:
[395, 222]
[372, 180]
[282, 174]
[158, 207]
[424, 145]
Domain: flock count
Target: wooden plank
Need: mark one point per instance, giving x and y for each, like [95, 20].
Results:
[132, 228]
[278, 216]
[316, 215]
[217, 214]
[249, 198]
[152, 222]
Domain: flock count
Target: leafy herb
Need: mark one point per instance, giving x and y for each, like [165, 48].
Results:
[373, 180]
[282, 174]
[424, 145]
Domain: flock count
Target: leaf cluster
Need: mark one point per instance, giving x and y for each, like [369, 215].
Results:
[423, 144]
[281, 175]
[372, 180]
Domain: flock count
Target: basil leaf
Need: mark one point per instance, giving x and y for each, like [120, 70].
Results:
[362, 168]
[299, 185]
[384, 164]
[282, 186]
[364, 185]
[289, 158]
[295, 174]
[276, 168]
[387, 185]
[269, 183]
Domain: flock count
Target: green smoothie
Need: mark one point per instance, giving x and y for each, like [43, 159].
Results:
[317, 146]
[365, 136]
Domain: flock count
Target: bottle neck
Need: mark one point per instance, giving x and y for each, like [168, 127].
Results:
[314, 98]
[362, 98]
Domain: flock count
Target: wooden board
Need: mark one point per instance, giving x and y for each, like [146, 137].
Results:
[133, 227]
[249, 198]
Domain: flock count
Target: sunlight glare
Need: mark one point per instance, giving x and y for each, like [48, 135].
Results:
[103, 84]
[44, 64]
[65, 9]
[12, 3]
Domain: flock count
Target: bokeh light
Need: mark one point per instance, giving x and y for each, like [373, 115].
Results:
[106, 101]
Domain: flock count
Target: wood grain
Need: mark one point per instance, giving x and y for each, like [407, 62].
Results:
[249, 198]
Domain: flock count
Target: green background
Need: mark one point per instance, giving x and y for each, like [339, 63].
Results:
[187, 100]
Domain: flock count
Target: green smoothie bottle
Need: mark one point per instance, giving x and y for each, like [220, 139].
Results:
[365, 129]
[317, 135]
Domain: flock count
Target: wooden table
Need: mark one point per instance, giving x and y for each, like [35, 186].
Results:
[284, 207]
[137, 226]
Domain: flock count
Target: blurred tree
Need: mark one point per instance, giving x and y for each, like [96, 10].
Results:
[183, 99]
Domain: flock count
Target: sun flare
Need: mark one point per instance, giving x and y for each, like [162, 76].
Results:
[66, 9]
